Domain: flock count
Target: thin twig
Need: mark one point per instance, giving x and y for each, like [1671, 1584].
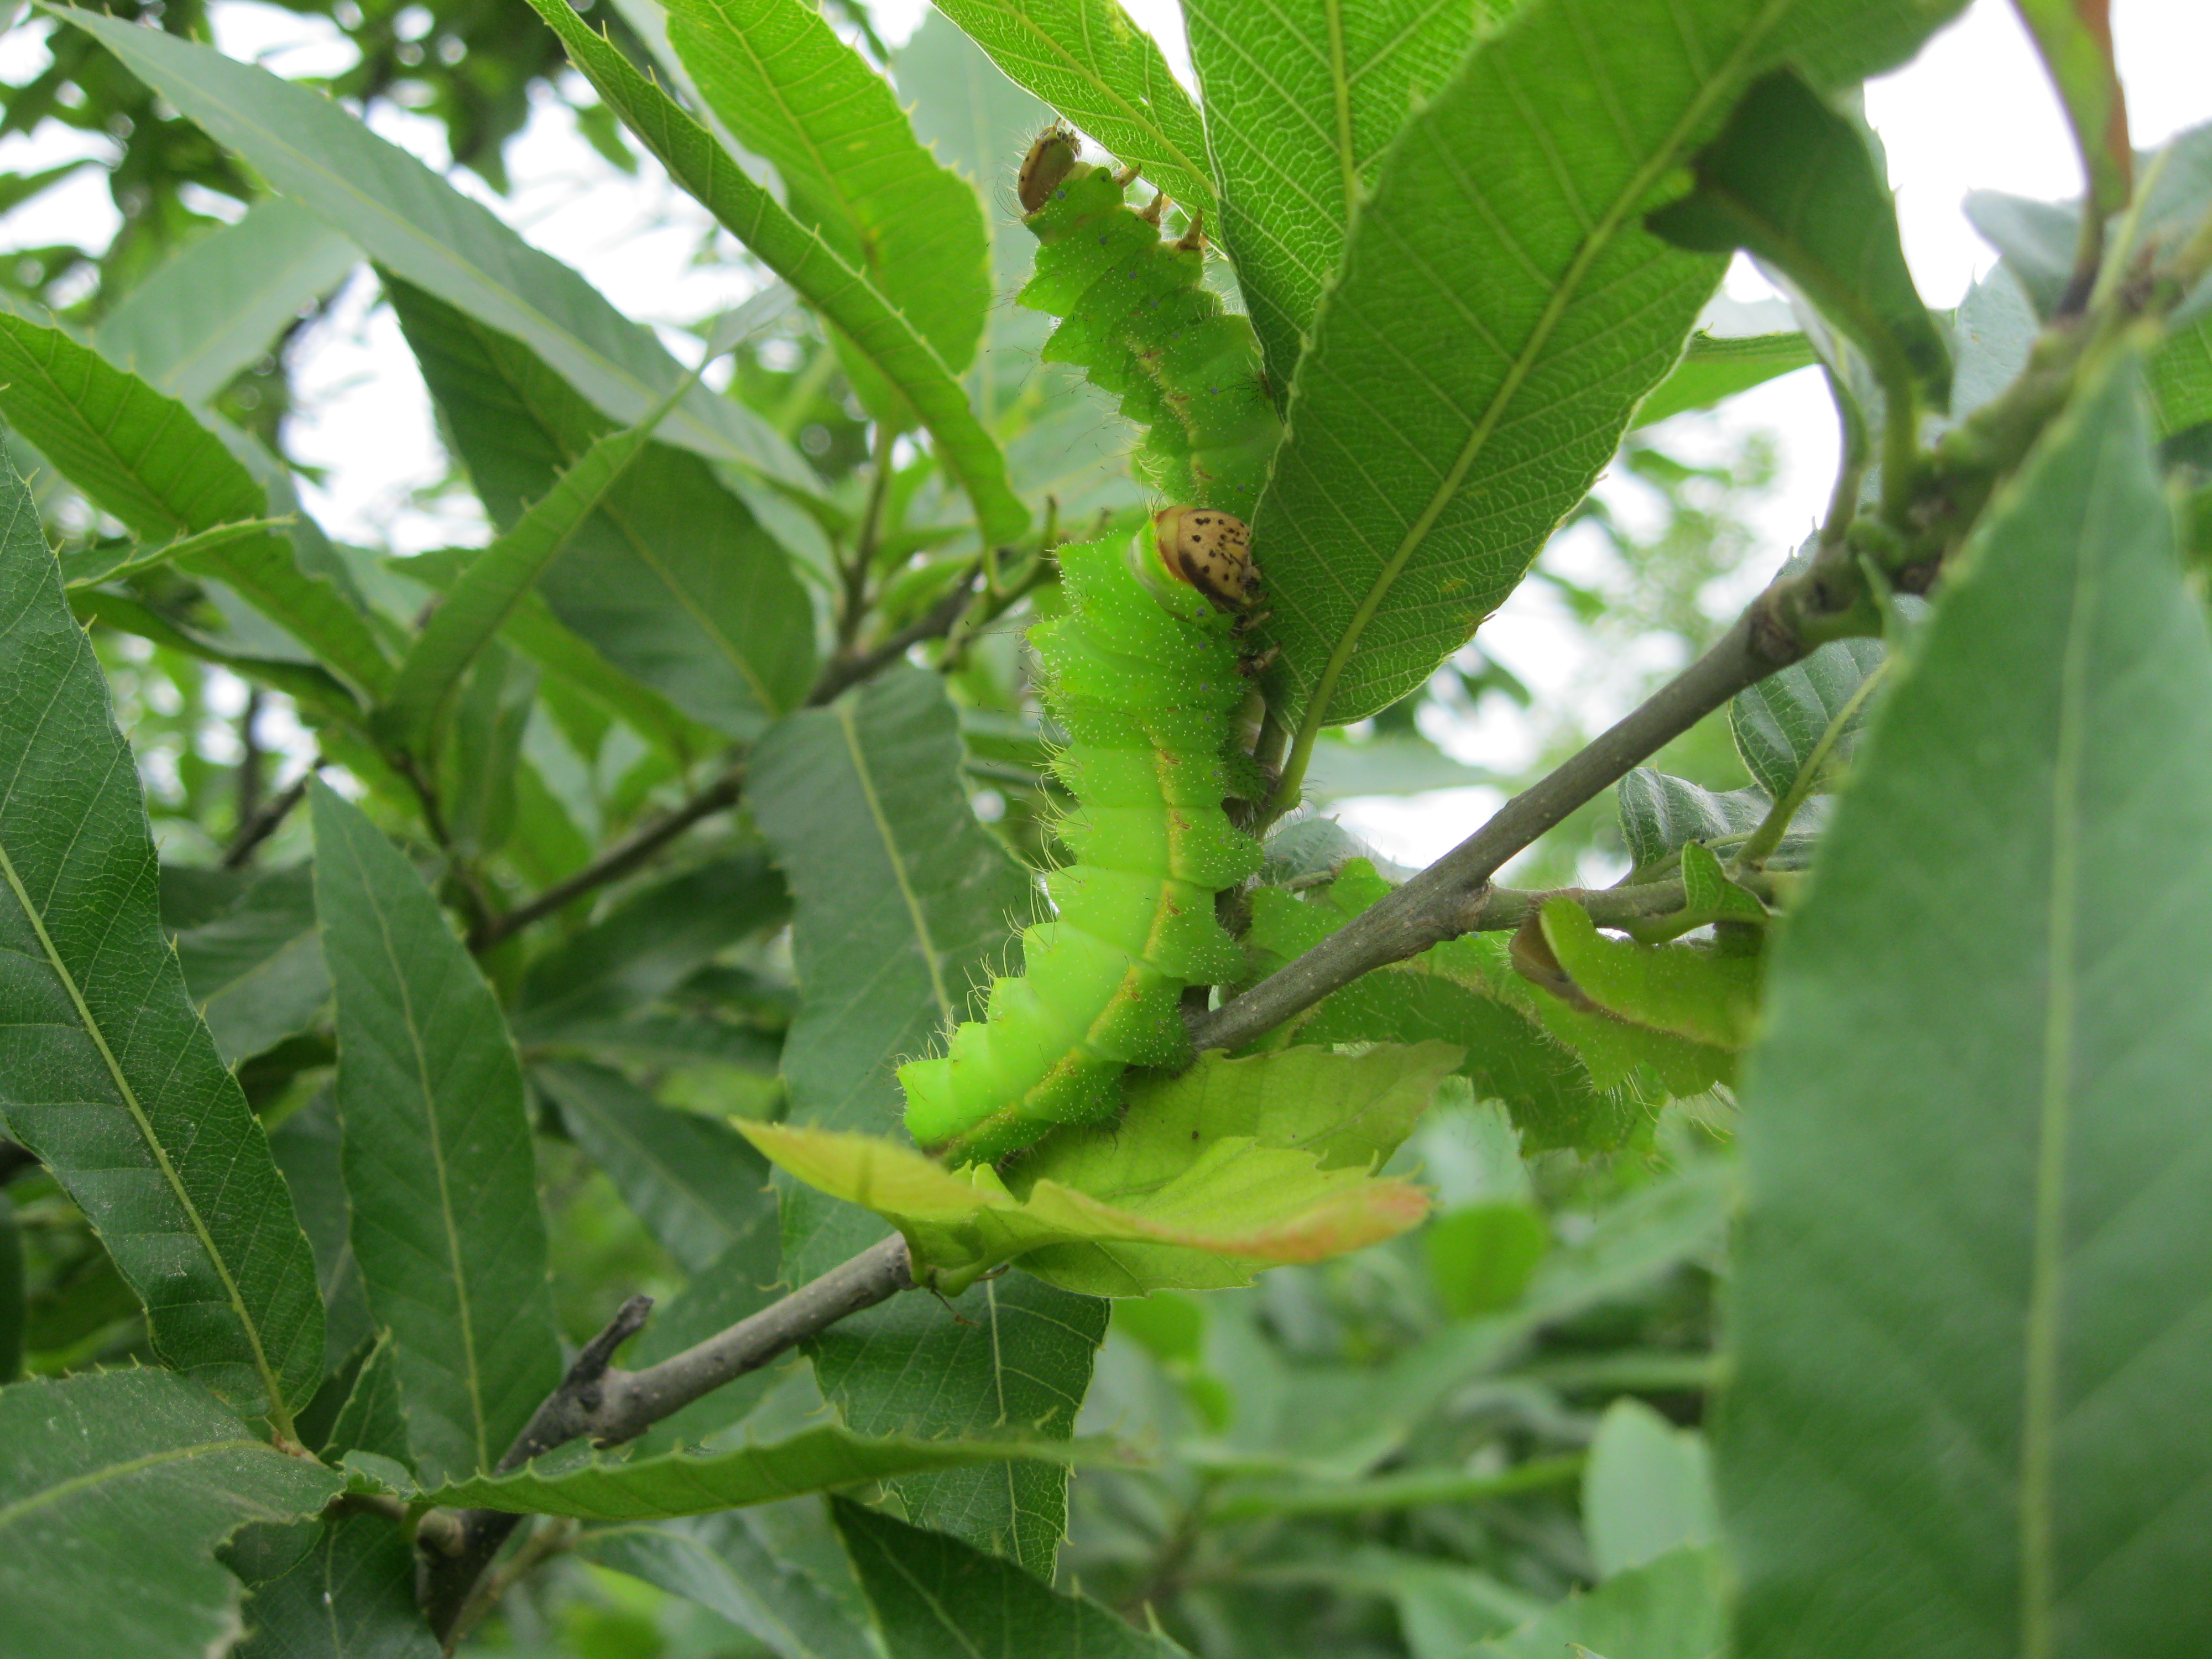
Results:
[268, 818]
[610, 1406]
[840, 673]
[614, 863]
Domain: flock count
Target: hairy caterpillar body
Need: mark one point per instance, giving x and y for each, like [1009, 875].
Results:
[1137, 318]
[1143, 674]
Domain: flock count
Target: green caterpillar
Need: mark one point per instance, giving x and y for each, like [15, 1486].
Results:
[1143, 674]
[1138, 321]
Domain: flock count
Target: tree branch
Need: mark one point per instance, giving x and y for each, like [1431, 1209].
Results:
[610, 1407]
[267, 819]
[840, 673]
[1453, 895]
[614, 863]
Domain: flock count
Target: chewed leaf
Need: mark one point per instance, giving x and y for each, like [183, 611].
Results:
[1706, 995]
[1166, 1200]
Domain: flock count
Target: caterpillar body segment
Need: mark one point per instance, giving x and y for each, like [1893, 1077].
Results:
[1138, 319]
[1142, 674]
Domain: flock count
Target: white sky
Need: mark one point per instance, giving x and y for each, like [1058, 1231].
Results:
[1973, 110]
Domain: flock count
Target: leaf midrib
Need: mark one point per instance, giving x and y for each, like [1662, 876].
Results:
[866, 778]
[2039, 1575]
[280, 1415]
[91, 1478]
[1522, 363]
[432, 1128]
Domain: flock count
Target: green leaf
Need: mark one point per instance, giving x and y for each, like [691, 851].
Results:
[644, 947]
[1707, 993]
[256, 971]
[901, 902]
[1778, 722]
[1462, 992]
[105, 1070]
[607, 1488]
[305, 1148]
[374, 1417]
[1659, 814]
[1715, 368]
[695, 1183]
[671, 579]
[1646, 1491]
[494, 583]
[1187, 1192]
[349, 1594]
[438, 1162]
[312, 686]
[787, 88]
[1298, 116]
[84, 566]
[1013, 1355]
[213, 310]
[1087, 60]
[1674, 1609]
[406, 217]
[11, 1292]
[2075, 37]
[722, 1563]
[142, 457]
[892, 340]
[1482, 1257]
[1799, 185]
[1500, 289]
[117, 1489]
[935, 1598]
[1966, 1318]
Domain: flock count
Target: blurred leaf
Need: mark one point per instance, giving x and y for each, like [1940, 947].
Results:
[643, 948]
[407, 218]
[11, 1292]
[1089, 62]
[256, 970]
[720, 1562]
[2075, 37]
[1715, 368]
[141, 456]
[221, 304]
[872, 322]
[1797, 185]
[935, 1598]
[138, 1468]
[305, 1148]
[787, 88]
[1154, 1201]
[1778, 722]
[695, 1183]
[1647, 1489]
[438, 1162]
[1516, 331]
[349, 1595]
[1674, 1609]
[1482, 1257]
[1297, 115]
[313, 687]
[671, 579]
[105, 1070]
[1653, 1230]
[1707, 993]
[1965, 1319]
[2036, 238]
[606, 1488]
[1386, 765]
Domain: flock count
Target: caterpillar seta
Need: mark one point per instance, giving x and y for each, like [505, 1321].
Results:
[1143, 673]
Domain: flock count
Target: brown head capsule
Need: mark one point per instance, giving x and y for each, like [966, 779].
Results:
[1050, 160]
[1211, 550]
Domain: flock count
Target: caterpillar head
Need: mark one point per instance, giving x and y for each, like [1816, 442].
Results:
[1050, 160]
[1210, 549]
